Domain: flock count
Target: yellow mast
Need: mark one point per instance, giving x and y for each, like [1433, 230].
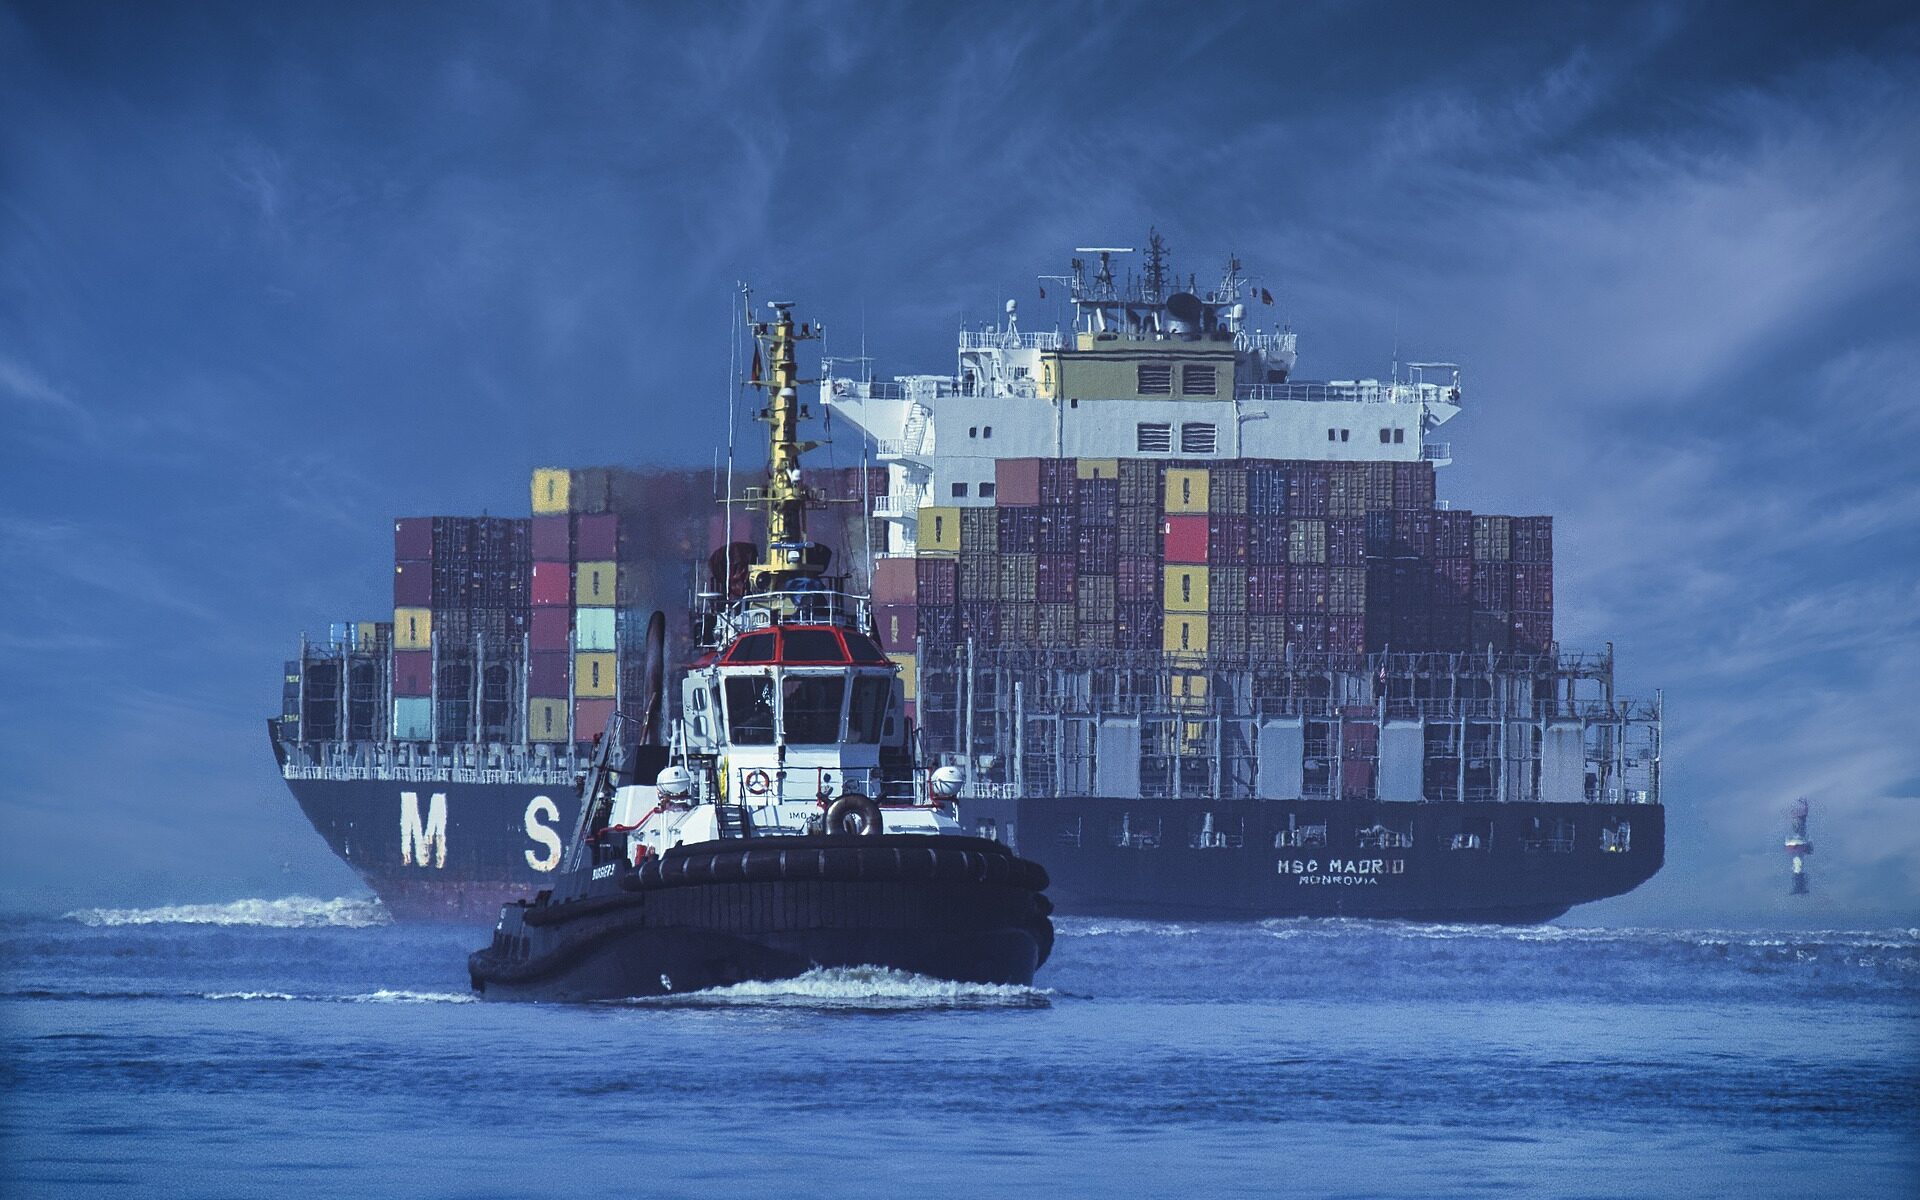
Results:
[787, 553]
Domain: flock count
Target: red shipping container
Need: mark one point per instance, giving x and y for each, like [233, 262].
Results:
[412, 538]
[596, 537]
[551, 629]
[413, 672]
[1185, 537]
[412, 584]
[1016, 481]
[547, 673]
[552, 584]
[590, 718]
[553, 538]
[898, 625]
[895, 581]
[936, 580]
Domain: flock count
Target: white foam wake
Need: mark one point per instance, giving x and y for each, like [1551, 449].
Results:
[289, 912]
[863, 988]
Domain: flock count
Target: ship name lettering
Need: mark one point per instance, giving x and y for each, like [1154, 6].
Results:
[423, 840]
[542, 813]
[604, 872]
[1341, 872]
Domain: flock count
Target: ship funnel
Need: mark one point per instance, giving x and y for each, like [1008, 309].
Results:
[1184, 314]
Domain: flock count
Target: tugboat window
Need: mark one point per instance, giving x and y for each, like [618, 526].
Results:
[811, 708]
[863, 649]
[813, 645]
[754, 648]
[750, 710]
[869, 709]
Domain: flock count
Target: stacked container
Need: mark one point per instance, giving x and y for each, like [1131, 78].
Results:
[460, 595]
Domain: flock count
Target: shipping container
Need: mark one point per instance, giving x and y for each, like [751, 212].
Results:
[1227, 490]
[898, 626]
[552, 584]
[1227, 636]
[1227, 591]
[1057, 481]
[412, 538]
[547, 719]
[1185, 537]
[1267, 590]
[593, 584]
[1186, 588]
[1099, 548]
[909, 676]
[1307, 541]
[980, 620]
[895, 581]
[593, 629]
[1057, 624]
[1016, 481]
[939, 529]
[1059, 531]
[596, 536]
[1138, 580]
[937, 624]
[1055, 578]
[1347, 590]
[1351, 539]
[1267, 487]
[1347, 633]
[552, 488]
[550, 629]
[979, 577]
[1307, 490]
[548, 673]
[1094, 600]
[1532, 539]
[936, 580]
[1139, 485]
[412, 584]
[593, 675]
[1266, 541]
[1493, 629]
[1018, 578]
[552, 539]
[1019, 529]
[1137, 625]
[1356, 780]
[1187, 489]
[1307, 633]
[1098, 502]
[1346, 491]
[1019, 622]
[979, 531]
[1307, 590]
[1227, 541]
[1492, 585]
[1141, 533]
[413, 628]
[1492, 538]
[412, 719]
[1532, 586]
[1185, 633]
[1533, 631]
[590, 718]
[1097, 468]
[413, 673]
[1453, 534]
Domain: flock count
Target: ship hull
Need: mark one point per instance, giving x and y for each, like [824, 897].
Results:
[438, 850]
[496, 837]
[1459, 862]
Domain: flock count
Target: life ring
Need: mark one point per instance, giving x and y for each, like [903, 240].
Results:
[757, 782]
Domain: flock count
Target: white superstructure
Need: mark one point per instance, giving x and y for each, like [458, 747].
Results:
[1146, 372]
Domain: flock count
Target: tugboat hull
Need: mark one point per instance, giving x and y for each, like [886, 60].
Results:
[767, 909]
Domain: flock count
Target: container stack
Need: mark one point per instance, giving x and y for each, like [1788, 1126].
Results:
[461, 614]
[1221, 561]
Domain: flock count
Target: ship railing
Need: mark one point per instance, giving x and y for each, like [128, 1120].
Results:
[1437, 452]
[763, 610]
[898, 504]
[1279, 342]
[1364, 391]
[1003, 339]
[900, 447]
[864, 389]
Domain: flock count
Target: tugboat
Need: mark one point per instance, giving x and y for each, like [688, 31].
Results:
[783, 823]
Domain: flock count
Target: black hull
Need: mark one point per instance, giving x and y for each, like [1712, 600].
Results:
[1468, 862]
[490, 857]
[952, 911]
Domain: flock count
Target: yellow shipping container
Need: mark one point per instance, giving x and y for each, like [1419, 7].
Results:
[1186, 633]
[1186, 489]
[413, 629]
[594, 675]
[1097, 468]
[909, 678]
[546, 720]
[1186, 588]
[552, 489]
[940, 529]
[1189, 691]
[593, 584]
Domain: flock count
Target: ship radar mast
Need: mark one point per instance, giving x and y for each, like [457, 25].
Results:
[789, 556]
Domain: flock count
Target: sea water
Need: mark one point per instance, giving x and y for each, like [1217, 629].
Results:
[293, 1047]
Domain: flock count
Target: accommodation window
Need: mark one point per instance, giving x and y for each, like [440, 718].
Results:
[959, 491]
[1399, 436]
[1155, 379]
[1386, 436]
[1152, 438]
[1196, 380]
[986, 491]
[986, 431]
[1344, 433]
[1197, 438]
[1331, 435]
[973, 431]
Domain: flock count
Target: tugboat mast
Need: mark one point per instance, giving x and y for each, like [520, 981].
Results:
[788, 555]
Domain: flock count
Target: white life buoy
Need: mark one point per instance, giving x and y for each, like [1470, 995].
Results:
[757, 782]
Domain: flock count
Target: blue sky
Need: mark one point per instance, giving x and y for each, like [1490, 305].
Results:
[272, 274]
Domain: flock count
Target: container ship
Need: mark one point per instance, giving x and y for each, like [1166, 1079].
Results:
[1201, 633]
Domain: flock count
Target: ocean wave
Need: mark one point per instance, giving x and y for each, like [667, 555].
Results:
[289, 912]
[857, 988]
[402, 996]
